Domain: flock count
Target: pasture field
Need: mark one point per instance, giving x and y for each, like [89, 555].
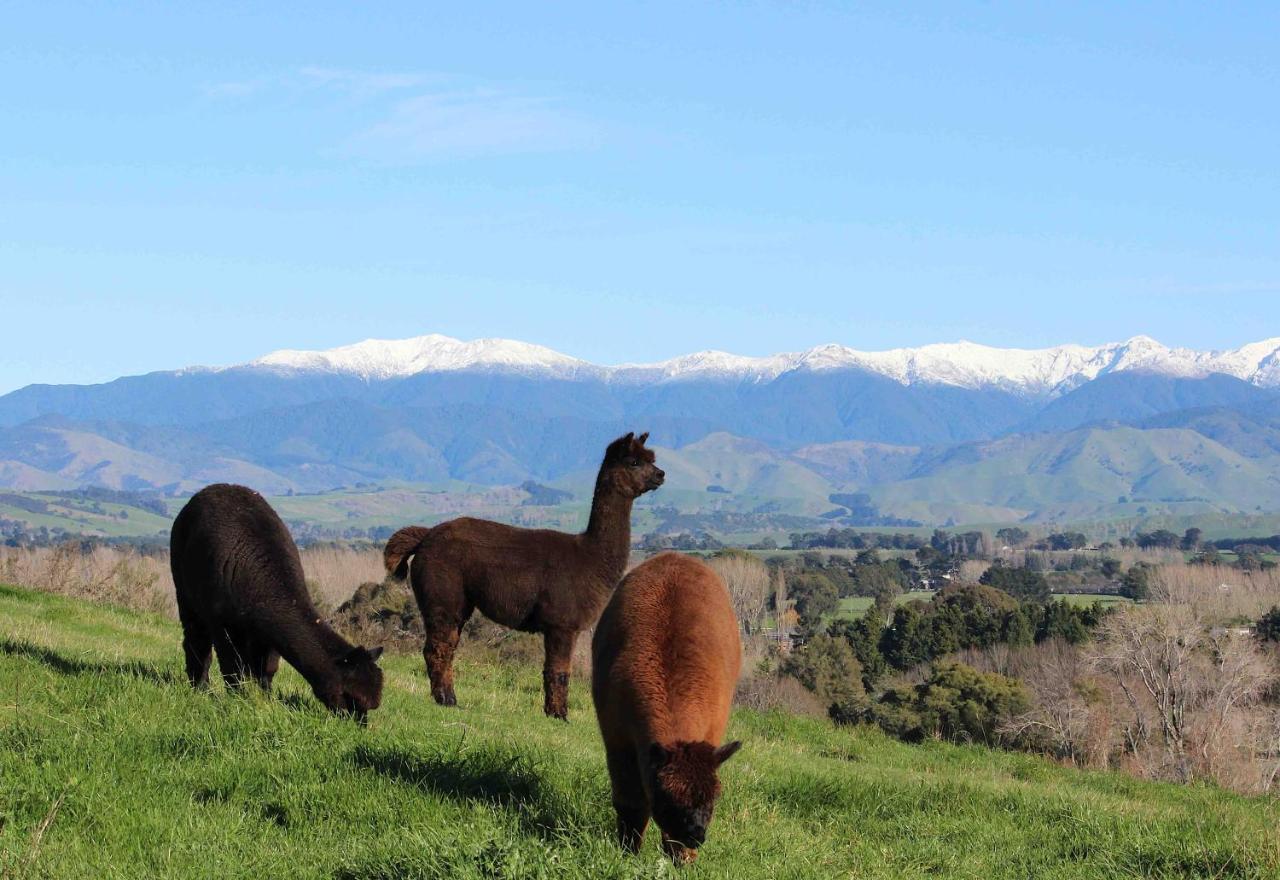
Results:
[1083, 600]
[111, 767]
[856, 606]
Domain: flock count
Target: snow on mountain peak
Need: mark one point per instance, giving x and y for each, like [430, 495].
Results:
[964, 364]
[392, 358]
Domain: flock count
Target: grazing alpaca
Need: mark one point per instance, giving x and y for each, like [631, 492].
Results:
[241, 591]
[665, 661]
[534, 580]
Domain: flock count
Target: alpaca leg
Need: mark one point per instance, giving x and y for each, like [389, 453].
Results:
[197, 648]
[555, 674]
[628, 798]
[442, 642]
[266, 662]
[232, 660]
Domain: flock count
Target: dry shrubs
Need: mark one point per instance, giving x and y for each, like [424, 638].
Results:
[334, 571]
[100, 574]
[142, 581]
[1168, 689]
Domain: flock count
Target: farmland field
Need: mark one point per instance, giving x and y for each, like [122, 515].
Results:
[112, 767]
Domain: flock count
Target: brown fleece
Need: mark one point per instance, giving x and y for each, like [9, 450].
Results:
[535, 580]
[665, 662]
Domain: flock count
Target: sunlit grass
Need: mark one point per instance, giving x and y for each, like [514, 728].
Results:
[111, 767]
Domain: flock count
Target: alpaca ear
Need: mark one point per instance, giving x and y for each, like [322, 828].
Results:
[631, 435]
[727, 751]
[643, 437]
[659, 755]
[375, 653]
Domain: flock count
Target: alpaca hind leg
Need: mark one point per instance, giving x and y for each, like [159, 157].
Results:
[555, 673]
[197, 649]
[197, 645]
[232, 660]
[442, 643]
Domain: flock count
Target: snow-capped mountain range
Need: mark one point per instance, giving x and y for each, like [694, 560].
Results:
[956, 429]
[1047, 371]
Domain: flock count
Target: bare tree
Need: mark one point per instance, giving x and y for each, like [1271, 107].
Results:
[1193, 689]
[749, 586]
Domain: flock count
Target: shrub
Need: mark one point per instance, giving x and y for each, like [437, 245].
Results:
[957, 702]
[827, 666]
[1022, 583]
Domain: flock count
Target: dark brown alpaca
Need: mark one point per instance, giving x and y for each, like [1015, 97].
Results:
[665, 662]
[241, 592]
[534, 580]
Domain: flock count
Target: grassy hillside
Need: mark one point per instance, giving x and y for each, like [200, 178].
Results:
[112, 767]
[81, 516]
[1082, 475]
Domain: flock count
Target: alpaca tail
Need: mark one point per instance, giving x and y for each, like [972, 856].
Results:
[400, 548]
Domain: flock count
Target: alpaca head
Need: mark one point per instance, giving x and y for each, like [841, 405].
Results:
[358, 690]
[629, 467]
[684, 787]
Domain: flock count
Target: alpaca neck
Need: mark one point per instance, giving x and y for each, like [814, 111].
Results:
[609, 529]
[314, 650]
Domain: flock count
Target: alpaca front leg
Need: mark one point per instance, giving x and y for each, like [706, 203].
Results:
[555, 674]
[629, 800]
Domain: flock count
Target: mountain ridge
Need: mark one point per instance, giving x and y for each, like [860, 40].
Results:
[942, 432]
[965, 364]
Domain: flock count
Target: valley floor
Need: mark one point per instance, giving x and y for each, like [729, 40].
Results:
[112, 767]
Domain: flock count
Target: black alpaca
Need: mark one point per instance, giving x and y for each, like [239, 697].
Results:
[242, 593]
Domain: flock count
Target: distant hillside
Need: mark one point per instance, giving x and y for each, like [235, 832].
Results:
[939, 433]
[1087, 473]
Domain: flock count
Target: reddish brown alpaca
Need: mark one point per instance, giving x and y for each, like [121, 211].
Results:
[533, 580]
[665, 662]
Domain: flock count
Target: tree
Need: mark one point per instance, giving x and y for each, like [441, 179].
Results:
[1160, 538]
[1016, 630]
[1208, 556]
[815, 597]
[1110, 568]
[1067, 541]
[1061, 621]
[749, 583]
[870, 556]
[1185, 685]
[1191, 539]
[1136, 583]
[908, 640]
[957, 702]
[826, 665]
[1013, 536]
[863, 636]
[1021, 583]
[1268, 628]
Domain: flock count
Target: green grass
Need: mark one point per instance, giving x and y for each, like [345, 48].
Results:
[1106, 600]
[856, 606]
[111, 767]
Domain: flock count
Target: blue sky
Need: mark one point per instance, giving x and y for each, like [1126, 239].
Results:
[629, 182]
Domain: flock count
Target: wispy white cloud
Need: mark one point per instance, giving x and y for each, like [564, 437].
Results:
[453, 124]
[235, 89]
[425, 117]
[362, 83]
